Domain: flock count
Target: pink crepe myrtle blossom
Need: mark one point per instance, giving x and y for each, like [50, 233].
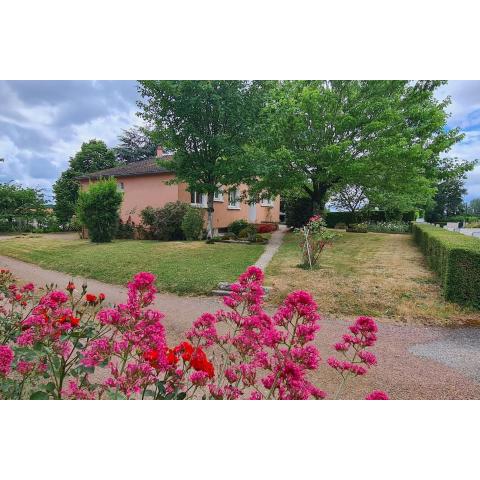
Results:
[75, 392]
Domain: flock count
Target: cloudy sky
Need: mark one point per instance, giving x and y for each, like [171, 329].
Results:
[43, 124]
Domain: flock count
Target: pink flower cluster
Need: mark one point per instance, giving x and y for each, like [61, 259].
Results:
[6, 359]
[357, 359]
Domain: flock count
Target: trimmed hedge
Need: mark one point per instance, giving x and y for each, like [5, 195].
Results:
[456, 259]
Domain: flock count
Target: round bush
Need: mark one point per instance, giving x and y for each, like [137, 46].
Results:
[97, 209]
[192, 224]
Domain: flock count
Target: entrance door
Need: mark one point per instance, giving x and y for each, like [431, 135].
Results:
[252, 212]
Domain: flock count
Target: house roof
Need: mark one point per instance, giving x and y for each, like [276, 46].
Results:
[144, 167]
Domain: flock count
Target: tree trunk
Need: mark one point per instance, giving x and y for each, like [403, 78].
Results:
[210, 216]
[319, 197]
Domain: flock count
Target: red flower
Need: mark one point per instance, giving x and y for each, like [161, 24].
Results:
[91, 298]
[186, 349]
[74, 321]
[199, 362]
[101, 297]
[151, 355]
[70, 287]
[172, 359]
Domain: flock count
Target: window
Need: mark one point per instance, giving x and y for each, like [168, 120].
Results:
[233, 199]
[198, 199]
[266, 202]
[120, 187]
[218, 196]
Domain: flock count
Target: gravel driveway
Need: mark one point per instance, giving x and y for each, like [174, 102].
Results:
[414, 362]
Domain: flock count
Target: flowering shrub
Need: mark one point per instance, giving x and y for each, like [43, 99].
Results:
[314, 238]
[66, 344]
[389, 227]
[266, 227]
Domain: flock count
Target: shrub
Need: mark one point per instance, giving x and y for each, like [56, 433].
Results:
[249, 232]
[126, 230]
[455, 258]
[358, 228]
[97, 209]
[192, 223]
[237, 225]
[298, 211]
[165, 223]
[332, 218]
[389, 227]
[341, 226]
[267, 227]
[314, 238]
[63, 345]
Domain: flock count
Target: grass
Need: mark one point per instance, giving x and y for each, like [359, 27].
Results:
[181, 267]
[375, 274]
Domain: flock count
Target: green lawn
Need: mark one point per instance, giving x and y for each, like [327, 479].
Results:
[181, 267]
[379, 274]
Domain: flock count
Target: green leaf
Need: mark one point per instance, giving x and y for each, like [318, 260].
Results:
[50, 387]
[39, 395]
[181, 396]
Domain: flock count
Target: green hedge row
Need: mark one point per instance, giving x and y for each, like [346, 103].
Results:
[456, 259]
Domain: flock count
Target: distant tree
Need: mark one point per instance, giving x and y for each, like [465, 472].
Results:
[93, 155]
[448, 200]
[19, 203]
[135, 145]
[206, 123]
[350, 198]
[98, 209]
[475, 206]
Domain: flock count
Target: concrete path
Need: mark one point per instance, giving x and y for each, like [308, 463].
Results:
[414, 362]
[272, 246]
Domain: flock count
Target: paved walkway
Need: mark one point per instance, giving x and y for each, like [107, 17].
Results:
[414, 362]
[272, 246]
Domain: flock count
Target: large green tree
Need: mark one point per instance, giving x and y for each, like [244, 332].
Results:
[206, 123]
[474, 206]
[383, 136]
[135, 144]
[93, 155]
[20, 204]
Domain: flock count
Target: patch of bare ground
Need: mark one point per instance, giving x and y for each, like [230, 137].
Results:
[381, 275]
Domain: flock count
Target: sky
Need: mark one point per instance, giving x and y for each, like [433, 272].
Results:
[44, 123]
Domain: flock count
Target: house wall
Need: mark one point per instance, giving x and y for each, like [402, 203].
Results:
[223, 215]
[142, 191]
[151, 190]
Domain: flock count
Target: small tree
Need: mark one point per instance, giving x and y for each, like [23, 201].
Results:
[314, 238]
[98, 209]
[192, 223]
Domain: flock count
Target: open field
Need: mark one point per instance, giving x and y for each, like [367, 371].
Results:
[382, 275]
[181, 267]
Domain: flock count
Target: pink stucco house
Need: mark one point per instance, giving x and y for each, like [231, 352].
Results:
[144, 184]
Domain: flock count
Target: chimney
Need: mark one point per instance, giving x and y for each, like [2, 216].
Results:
[159, 151]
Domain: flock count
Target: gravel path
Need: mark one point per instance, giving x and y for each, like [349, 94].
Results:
[414, 362]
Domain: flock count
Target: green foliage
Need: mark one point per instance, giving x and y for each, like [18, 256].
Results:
[126, 230]
[135, 145]
[165, 223]
[298, 211]
[206, 123]
[98, 209]
[92, 156]
[249, 232]
[19, 207]
[321, 136]
[236, 226]
[192, 223]
[389, 227]
[455, 258]
[474, 206]
[358, 228]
